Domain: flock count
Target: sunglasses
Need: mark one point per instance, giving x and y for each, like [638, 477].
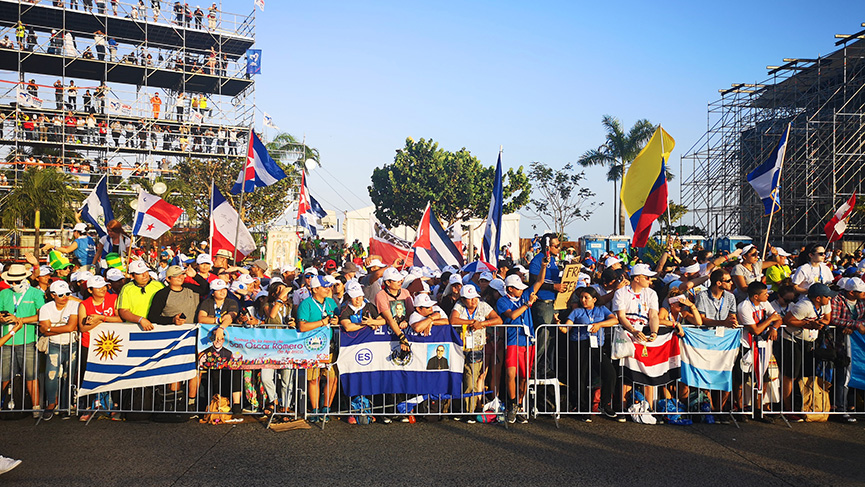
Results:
[63, 295]
[726, 280]
[819, 253]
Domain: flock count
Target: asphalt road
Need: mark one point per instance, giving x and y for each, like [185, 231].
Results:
[105, 453]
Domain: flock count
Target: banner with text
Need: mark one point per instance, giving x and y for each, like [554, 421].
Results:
[263, 348]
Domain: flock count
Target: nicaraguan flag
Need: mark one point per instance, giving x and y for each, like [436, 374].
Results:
[224, 228]
[122, 356]
[857, 361]
[764, 179]
[154, 216]
[97, 209]
[367, 366]
[707, 359]
[309, 212]
[260, 170]
[433, 247]
[492, 233]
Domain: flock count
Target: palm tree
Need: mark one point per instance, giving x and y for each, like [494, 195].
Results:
[40, 192]
[285, 142]
[618, 151]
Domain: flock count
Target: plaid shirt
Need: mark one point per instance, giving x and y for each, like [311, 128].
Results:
[842, 317]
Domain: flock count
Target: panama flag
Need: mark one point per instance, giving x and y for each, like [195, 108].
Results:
[707, 359]
[224, 228]
[97, 209]
[492, 234]
[838, 224]
[433, 247]
[308, 210]
[644, 187]
[765, 177]
[260, 170]
[154, 216]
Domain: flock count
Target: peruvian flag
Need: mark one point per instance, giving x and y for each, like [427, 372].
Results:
[224, 229]
[154, 216]
[838, 224]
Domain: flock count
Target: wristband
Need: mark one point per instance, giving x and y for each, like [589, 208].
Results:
[139, 320]
[11, 333]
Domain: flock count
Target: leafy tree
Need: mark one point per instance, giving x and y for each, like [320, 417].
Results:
[284, 143]
[617, 152]
[456, 184]
[40, 195]
[562, 198]
[675, 212]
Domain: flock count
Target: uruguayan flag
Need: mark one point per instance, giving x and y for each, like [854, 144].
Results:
[764, 179]
[707, 359]
[122, 356]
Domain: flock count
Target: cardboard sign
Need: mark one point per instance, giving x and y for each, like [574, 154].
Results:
[570, 277]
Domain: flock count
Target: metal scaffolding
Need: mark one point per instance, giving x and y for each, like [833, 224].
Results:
[823, 100]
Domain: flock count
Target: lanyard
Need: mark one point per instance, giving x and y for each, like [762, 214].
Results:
[819, 312]
[18, 302]
[321, 308]
[472, 315]
[720, 305]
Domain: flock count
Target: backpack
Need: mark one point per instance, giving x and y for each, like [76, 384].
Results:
[815, 399]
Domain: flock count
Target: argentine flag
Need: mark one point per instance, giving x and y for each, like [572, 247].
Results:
[122, 356]
[707, 359]
[764, 179]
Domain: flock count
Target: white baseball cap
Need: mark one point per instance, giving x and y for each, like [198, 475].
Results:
[96, 282]
[781, 252]
[514, 280]
[46, 270]
[59, 287]
[80, 227]
[114, 275]
[138, 267]
[691, 269]
[855, 284]
[486, 276]
[642, 270]
[312, 271]
[238, 287]
[203, 259]
[353, 289]
[391, 274]
[469, 292]
[319, 281]
[246, 279]
[611, 261]
[423, 301]
[455, 279]
[375, 263]
[218, 284]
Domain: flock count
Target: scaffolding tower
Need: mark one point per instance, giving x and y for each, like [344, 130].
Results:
[81, 79]
[823, 100]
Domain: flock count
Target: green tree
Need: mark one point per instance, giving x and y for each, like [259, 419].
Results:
[562, 199]
[456, 184]
[674, 213]
[617, 152]
[40, 195]
[284, 144]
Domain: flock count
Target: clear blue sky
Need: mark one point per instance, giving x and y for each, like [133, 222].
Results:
[357, 78]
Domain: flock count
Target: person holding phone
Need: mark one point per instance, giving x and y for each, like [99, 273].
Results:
[319, 311]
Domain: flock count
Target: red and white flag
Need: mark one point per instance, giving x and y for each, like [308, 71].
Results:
[838, 224]
[154, 216]
[392, 249]
[225, 230]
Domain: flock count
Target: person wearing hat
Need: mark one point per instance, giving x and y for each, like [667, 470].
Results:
[99, 308]
[133, 302]
[358, 312]
[116, 280]
[176, 303]
[370, 282]
[349, 270]
[795, 353]
[19, 305]
[451, 293]
[115, 241]
[848, 317]
[43, 279]
[779, 270]
[330, 266]
[203, 264]
[474, 316]
[422, 320]
[258, 269]
[514, 309]
[319, 311]
[83, 246]
[58, 320]
[220, 260]
[217, 309]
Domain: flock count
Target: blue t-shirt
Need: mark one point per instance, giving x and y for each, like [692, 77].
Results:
[588, 317]
[516, 335]
[553, 276]
[86, 250]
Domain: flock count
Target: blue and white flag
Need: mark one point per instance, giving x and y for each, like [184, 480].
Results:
[97, 209]
[857, 361]
[268, 121]
[260, 170]
[493, 232]
[253, 61]
[368, 365]
[433, 247]
[764, 179]
[309, 212]
[707, 359]
[122, 356]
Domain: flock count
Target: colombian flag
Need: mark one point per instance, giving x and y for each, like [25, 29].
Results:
[644, 188]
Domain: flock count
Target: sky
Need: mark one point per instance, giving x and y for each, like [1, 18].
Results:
[356, 78]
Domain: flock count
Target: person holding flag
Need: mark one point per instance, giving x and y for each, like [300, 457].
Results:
[644, 187]
[116, 241]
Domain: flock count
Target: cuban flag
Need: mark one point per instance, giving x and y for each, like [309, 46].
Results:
[224, 228]
[154, 216]
[764, 178]
[838, 224]
[433, 247]
[260, 170]
[492, 234]
[122, 356]
[309, 212]
[367, 364]
[654, 363]
[97, 209]
[708, 359]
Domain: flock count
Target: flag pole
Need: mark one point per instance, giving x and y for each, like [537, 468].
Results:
[774, 200]
[242, 191]
[664, 168]
[210, 216]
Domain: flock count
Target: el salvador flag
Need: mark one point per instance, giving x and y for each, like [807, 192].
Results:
[493, 233]
[97, 209]
[764, 179]
[260, 170]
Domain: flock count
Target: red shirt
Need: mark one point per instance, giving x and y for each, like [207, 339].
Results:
[107, 308]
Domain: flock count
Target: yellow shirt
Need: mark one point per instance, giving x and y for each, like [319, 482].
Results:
[134, 300]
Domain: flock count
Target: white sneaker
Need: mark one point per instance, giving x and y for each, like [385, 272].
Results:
[37, 412]
[7, 464]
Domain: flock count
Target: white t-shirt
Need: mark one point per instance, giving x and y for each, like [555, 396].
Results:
[750, 275]
[751, 314]
[415, 316]
[59, 317]
[804, 309]
[636, 305]
[807, 274]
